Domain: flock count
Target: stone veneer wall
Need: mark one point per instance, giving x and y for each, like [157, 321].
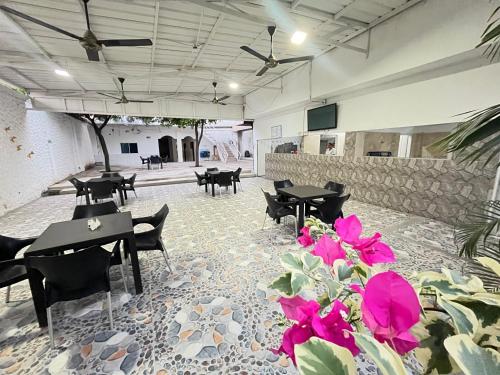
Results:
[435, 188]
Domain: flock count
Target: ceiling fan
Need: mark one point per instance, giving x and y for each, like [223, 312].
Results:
[271, 61]
[89, 41]
[123, 99]
[217, 100]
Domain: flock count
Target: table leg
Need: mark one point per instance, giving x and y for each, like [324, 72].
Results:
[122, 200]
[234, 186]
[300, 219]
[212, 179]
[87, 196]
[130, 248]
[206, 187]
[35, 279]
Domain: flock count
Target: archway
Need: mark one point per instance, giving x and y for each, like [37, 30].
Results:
[167, 146]
[188, 149]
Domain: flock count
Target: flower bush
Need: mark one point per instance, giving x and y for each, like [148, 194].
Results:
[447, 321]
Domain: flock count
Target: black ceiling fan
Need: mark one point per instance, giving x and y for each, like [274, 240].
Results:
[271, 61]
[123, 99]
[89, 41]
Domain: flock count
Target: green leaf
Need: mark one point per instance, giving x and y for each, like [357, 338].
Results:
[341, 270]
[440, 283]
[487, 298]
[283, 284]
[431, 353]
[310, 262]
[324, 300]
[471, 358]
[471, 284]
[464, 319]
[334, 288]
[291, 262]
[300, 281]
[488, 316]
[386, 359]
[490, 263]
[320, 357]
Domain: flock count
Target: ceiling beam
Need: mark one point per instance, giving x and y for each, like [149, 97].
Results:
[243, 16]
[153, 48]
[345, 9]
[26, 78]
[295, 4]
[208, 40]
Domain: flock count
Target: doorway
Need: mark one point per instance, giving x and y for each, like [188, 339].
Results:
[188, 152]
[167, 146]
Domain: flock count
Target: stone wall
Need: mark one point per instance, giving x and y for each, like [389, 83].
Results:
[435, 188]
[37, 149]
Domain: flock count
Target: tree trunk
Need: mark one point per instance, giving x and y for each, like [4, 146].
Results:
[197, 145]
[104, 148]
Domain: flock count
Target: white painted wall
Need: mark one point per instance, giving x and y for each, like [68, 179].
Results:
[422, 69]
[61, 146]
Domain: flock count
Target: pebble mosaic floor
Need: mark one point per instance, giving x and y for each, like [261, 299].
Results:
[214, 313]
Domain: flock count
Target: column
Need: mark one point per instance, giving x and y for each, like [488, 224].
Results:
[179, 148]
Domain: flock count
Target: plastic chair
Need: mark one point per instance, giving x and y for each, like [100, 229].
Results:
[201, 180]
[128, 185]
[236, 177]
[277, 210]
[100, 190]
[79, 186]
[224, 179]
[330, 209]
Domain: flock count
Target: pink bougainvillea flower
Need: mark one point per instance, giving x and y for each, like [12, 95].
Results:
[334, 328]
[295, 335]
[370, 249]
[357, 288]
[328, 249]
[389, 309]
[298, 309]
[305, 239]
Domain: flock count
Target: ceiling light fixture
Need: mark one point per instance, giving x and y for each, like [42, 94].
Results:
[234, 85]
[61, 72]
[298, 37]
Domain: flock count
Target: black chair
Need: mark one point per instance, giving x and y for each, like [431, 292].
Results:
[280, 185]
[144, 161]
[110, 174]
[224, 179]
[100, 190]
[212, 169]
[106, 208]
[330, 185]
[79, 186]
[156, 160]
[236, 177]
[73, 276]
[201, 180]
[152, 239]
[12, 270]
[330, 209]
[128, 185]
[277, 210]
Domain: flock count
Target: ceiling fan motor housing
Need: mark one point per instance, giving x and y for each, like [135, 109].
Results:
[89, 41]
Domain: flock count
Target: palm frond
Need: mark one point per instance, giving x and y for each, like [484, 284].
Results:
[476, 138]
[480, 229]
[491, 35]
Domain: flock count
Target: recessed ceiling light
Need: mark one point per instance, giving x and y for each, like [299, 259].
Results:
[61, 72]
[298, 37]
[234, 85]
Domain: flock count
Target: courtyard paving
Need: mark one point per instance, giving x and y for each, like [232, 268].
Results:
[214, 312]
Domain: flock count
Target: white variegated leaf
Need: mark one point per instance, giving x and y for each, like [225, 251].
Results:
[291, 262]
[471, 284]
[464, 319]
[320, 357]
[299, 281]
[310, 262]
[471, 358]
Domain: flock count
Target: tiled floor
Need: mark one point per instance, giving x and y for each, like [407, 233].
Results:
[214, 314]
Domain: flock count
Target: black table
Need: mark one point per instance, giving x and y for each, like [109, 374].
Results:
[303, 193]
[213, 175]
[75, 234]
[117, 183]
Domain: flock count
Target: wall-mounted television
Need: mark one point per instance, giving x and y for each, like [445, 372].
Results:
[322, 118]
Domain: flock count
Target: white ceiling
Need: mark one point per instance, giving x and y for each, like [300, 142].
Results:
[29, 53]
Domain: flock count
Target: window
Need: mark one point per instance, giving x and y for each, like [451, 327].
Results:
[129, 148]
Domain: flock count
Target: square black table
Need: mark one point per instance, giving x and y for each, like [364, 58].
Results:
[117, 182]
[212, 175]
[75, 234]
[303, 193]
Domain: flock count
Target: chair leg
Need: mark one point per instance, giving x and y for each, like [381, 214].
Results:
[166, 261]
[110, 310]
[7, 295]
[50, 326]
[241, 187]
[295, 225]
[135, 193]
[123, 278]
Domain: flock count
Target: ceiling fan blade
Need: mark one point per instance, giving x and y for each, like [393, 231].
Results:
[39, 22]
[92, 54]
[262, 71]
[224, 98]
[255, 53]
[126, 42]
[141, 101]
[120, 102]
[222, 103]
[110, 96]
[295, 59]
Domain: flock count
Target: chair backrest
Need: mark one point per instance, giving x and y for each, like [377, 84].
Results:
[10, 246]
[131, 180]
[236, 174]
[272, 205]
[212, 169]
[101, 189]
[282, 184]
[92, 210]
[332, 207]
[224, 179]
[79, 185]
[200, 178]
[144, 160]
[73, 276]
[157, 221]
[155, 159]
[111, 174]
[335, 186]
